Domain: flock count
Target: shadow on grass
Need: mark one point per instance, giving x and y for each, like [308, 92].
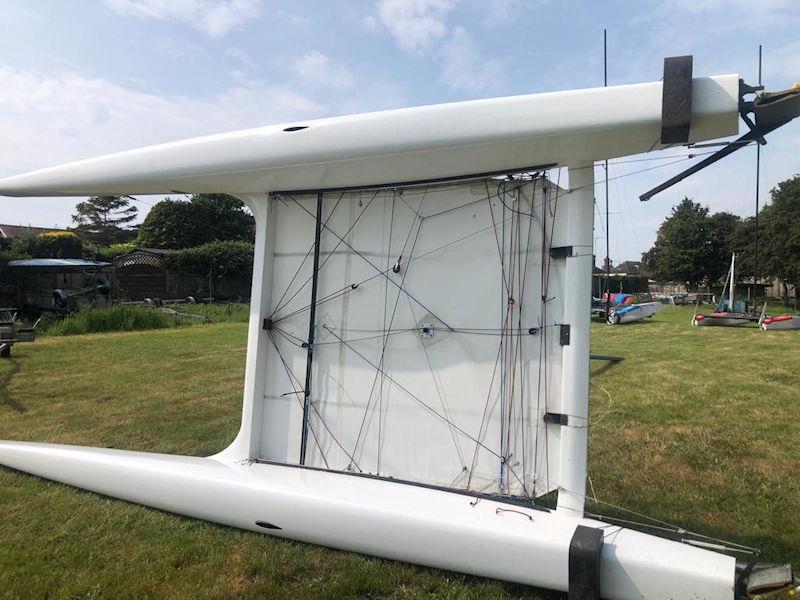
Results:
[5, 395]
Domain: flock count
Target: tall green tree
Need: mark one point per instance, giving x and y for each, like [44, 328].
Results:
[780, 232]
[177, 224]
[105, 220]
[722, 227]
[683, 251]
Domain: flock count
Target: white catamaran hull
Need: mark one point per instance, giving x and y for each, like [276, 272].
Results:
[634, 312]
[406, 522]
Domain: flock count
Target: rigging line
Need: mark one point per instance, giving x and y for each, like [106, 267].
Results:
[439, 392]
[391, 320]
[523, 396]
[727, 545]
[500, 196]
[599, 216]
[665, 524]
[386, 335]
[378, 269]
[503, 309]
[312, 326]
[497, 240]
[313, 407]
[352, 287]
[329, 254]
[485, 412]
[302, 262]
[471, 202]
[545, 289]
[524, 332]
[417, 398]
[296, 395]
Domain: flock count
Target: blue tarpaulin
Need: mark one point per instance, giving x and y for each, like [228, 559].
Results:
[58, 263]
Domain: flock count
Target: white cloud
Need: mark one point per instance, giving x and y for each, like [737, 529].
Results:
[416, 25]
[318, 69]
[214, 17]
[782, 66]
[52, 119]
[464, 69]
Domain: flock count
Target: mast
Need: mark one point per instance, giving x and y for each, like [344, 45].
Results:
[731, 288]
[758, 181]
[579, 214]
[605, 165]
[311, 327]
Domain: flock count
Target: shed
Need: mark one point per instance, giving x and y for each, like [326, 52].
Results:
[143, 273]
[61, 283]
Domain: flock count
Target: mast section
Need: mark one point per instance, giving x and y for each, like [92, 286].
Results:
[579, 213]
[311, 327]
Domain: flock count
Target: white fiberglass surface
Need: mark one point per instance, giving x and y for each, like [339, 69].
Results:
[437, 334]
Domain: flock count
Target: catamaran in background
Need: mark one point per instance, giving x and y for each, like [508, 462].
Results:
[729, 312]
[783, 322]
[628, 313]
[417, 371]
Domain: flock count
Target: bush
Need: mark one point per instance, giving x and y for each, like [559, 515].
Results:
[116, 318]
[109, 253]
[54, 244]
[221, 257]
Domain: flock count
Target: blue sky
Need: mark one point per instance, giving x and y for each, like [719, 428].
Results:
[80, 79]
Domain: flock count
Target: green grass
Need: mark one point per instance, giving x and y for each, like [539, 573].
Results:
[140, 318]
[701, 430]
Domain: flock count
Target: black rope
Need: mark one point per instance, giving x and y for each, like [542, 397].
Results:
[278, 304]
[313, 407]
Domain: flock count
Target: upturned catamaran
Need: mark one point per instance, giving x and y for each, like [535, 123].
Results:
[628, 313]
[418, 355]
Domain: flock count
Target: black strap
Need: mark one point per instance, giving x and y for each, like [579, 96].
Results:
[584, 563]
[676, 107]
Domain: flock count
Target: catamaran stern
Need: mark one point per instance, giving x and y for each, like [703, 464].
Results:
[443, 529]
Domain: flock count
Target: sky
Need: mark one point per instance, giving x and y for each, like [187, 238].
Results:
[85, 78]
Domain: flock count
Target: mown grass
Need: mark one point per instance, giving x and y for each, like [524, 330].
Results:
[701, 430]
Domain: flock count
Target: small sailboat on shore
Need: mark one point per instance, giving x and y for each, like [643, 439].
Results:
[784, 322]
[725, 314]
[633, 312]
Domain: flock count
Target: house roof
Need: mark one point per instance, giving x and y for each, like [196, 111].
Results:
[630, 267]
[18, 231]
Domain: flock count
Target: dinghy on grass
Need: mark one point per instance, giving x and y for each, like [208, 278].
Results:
[418, 351]
[725, 315]
[634, 312]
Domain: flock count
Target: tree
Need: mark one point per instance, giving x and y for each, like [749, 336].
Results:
[781, 234]
[722, 226]
[104, 220]
[683, 251]
[177, 224]
[53, 244]
[743, 244]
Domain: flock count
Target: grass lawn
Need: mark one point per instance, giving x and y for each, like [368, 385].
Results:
[700, 429]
